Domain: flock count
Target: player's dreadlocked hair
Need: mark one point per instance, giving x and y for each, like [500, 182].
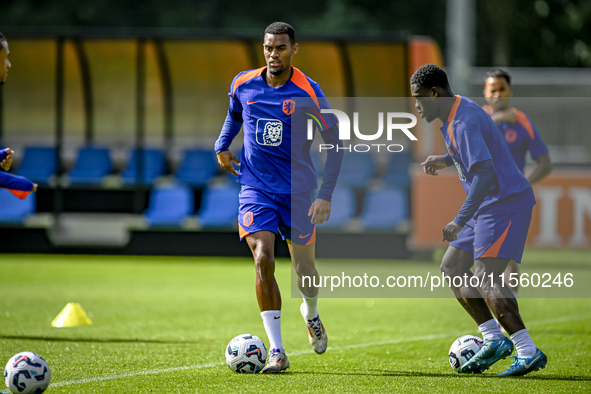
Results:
[281, 28]
[429, 76]
[498, 73]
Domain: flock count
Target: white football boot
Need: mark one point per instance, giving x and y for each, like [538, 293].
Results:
[316, 332]
[277, 362]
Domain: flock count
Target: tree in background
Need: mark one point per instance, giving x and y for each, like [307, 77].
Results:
[548, 33]
[539, 33]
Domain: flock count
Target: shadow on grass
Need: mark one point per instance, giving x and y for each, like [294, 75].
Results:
[386, 373]
[99, 340]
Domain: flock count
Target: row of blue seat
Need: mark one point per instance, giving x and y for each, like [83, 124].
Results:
[171, 205]
[383, 208]
[93, 163]
[14, 210]
[360, 168]
[196, 168]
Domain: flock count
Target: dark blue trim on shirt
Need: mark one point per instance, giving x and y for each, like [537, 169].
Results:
[332, 167]
[449, 160]
[230, 130]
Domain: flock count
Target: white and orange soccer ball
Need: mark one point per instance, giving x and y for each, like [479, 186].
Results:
[246, 353]
[27, 373]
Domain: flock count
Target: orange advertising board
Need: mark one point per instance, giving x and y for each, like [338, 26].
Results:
[561, 217]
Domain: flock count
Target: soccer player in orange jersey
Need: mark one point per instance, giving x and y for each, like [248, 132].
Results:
[278, 177]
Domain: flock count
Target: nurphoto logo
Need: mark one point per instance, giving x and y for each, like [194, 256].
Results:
[345, 131]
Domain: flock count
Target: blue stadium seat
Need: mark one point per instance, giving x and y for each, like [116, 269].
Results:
[197, 167]
[154, 166]
[342, 208]
[39, 164]
[219, 206]
[397, 173]
[91, 166]
[384, 209]
[169, 206]
[14, 210]
[357, 170]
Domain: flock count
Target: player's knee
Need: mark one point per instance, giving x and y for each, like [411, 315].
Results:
[448, 268]
[264, 262]
[485, 281]
[308, 270]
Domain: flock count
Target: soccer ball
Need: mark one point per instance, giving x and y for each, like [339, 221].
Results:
[463, 349]
[246, 354]
[27, 373]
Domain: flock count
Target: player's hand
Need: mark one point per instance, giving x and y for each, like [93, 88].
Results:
[434, 163]
[450, 231]
[320, 211]
[7, 162]
[225, 159]
[506, 115]
[34, 189]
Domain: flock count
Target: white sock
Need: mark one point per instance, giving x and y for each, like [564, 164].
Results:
[490, 330]
[523, 343]
[272, 323]
[310, 308]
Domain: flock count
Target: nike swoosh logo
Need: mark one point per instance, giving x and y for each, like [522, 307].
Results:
[476, 250]
[304, 236]
[251, 102]
[276, 317]
[532, 363]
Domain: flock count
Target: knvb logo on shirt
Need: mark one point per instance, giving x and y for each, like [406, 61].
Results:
[345, 130]
[288, 107]
[510, 135]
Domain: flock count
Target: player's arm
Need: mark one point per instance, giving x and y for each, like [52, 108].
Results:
[542, 170]
[436, 162]
[15, 182]
[320, 209]
[506, 115]
[539, 152]
[230, 130]
[483, 180]
[11, 182]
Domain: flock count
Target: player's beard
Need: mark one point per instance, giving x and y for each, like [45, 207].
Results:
[276, 71]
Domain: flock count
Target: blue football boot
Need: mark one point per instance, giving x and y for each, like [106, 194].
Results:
[525, 365]
[490, 352]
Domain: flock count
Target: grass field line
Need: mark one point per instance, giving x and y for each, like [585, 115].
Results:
[209, 365]
[562, 319]
[129, 375]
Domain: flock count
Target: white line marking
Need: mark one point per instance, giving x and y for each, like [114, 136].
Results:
[210, 365]
[293, 354]
[128, 375]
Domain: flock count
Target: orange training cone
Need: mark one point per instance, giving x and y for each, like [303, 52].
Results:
[71, 316]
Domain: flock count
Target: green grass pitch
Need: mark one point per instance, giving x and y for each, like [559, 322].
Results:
[161, 325]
